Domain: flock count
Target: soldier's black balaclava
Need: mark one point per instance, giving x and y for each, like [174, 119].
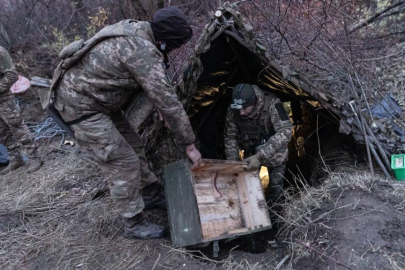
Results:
[170, 28]
[243, 96]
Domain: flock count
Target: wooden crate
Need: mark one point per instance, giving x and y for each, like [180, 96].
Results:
[217, 200]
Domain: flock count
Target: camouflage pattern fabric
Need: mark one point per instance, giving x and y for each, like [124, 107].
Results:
[114, 70]
[13, 132]
[8, 74]
[104, 82]
[127, 131]
[276, 187]
[126, 172]
[273, 153]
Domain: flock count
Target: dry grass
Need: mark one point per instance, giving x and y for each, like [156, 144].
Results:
[48, 221]
[231, 264]
[298, 207]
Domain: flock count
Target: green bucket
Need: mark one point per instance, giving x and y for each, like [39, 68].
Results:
[398, 165]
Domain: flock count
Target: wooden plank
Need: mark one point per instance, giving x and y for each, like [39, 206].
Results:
[240, 209]
[237, 232]
[221, 161]
[257, 214]
[182, 204]
[245, 204]
[221, 166]
[223, 169]
[211, 167]
[205, 200]
[219, 223]
[233, 169]
[214, 177]
[218, 215]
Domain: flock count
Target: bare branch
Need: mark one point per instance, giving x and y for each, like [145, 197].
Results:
[375, 17]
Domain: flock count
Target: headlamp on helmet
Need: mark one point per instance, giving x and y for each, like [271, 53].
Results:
[243, 96]
[237, 104]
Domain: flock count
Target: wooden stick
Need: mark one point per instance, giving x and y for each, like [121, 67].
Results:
[157, 260]
[379, 147]
[356, 116]
[376, 157]
[375, 17]
[368, 145]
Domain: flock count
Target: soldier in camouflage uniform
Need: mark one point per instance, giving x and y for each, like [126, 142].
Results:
[257, 123]
[13, 132]
[93, 93]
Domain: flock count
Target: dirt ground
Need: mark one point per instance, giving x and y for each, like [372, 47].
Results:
[48, 220]
[357, 230]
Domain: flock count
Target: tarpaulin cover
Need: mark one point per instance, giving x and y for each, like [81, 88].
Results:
[386, 108]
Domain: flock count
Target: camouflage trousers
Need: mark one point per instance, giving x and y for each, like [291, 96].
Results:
[14, 134]
[119, 153]
[276, 185]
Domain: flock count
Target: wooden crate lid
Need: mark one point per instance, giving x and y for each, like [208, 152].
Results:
[221, 166]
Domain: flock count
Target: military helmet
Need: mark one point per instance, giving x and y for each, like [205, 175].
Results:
[170, 26]
[243, 96]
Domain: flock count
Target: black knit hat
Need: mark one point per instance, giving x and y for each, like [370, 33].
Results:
[170, 26]
[243, 96]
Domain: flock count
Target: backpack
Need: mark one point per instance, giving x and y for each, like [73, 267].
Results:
[73, 52]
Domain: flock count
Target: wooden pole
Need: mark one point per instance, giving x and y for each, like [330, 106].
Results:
[362, 128]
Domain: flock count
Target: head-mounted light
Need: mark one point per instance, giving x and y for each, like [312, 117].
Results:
[237, 104]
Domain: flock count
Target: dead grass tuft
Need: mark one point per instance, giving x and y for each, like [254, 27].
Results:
[48, 220]
[231, 264]
[303, 200]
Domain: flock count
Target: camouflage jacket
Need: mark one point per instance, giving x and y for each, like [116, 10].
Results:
[116, 69]
[274, 151]
[8, 73]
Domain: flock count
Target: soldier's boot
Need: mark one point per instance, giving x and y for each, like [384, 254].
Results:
[14, 164]
[153, 197]
[34, 165]
[137, 227]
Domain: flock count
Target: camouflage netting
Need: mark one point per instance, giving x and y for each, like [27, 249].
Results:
[227, 53]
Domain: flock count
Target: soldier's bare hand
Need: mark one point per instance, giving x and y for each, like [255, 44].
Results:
[194, 155]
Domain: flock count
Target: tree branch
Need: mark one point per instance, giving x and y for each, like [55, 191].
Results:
[375, 17]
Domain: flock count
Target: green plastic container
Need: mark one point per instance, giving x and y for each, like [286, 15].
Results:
[398, 165]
